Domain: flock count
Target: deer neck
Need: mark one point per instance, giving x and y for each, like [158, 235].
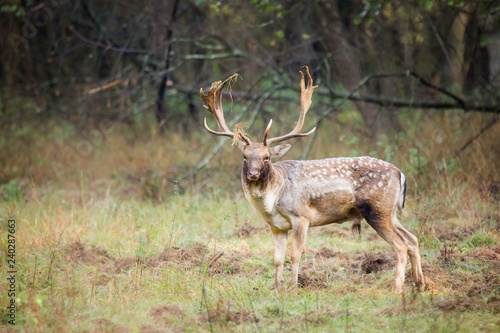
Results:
[267, 183]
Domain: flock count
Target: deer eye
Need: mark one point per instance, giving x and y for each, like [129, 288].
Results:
[266, 159]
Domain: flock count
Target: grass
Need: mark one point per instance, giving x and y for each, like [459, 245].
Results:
[97, 252]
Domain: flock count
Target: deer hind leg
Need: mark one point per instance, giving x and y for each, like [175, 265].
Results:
[416, 267]
[356, 226]
[279, 238]
[383, 225]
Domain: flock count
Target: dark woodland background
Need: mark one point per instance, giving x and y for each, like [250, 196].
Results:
[138, 62]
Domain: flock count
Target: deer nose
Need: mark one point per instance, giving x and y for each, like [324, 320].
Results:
[253, 174]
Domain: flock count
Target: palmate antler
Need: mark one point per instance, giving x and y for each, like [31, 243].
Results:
[306, 93]
[212, 100]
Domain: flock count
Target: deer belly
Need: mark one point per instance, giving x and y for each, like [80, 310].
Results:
[333, 207]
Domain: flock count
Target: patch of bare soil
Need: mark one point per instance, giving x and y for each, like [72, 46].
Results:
[326, 253]
[166, 311]
[223, 263]
[77, 253]
[326, 264]
[491, 253]
[316, 273]
[188, 257]
[248, 229]
[221, 315]
[314, 277]
[376, 262]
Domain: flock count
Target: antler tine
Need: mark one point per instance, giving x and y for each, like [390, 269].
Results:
[212, 100]
[266, 132]
[306, 93]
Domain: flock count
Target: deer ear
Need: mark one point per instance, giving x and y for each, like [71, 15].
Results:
[280, 150]
[241, 145]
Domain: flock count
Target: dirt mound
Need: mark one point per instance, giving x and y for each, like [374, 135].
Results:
[219, 315]
[77, 253]
[313, 277]
[326, 253]
[372, 263]
[328, 263]
[165, 310]
[491, 253]
[188, 257]
[248, 229]
[223, 263]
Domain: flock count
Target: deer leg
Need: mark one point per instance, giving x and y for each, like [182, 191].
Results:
[383, 224]
[416, 267]
[395, 239]
[279, 237]
[299, 234]
[356, 226]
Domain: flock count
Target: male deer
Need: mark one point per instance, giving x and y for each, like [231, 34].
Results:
[295, 195]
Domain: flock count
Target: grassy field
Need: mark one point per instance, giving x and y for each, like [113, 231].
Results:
[112, 237]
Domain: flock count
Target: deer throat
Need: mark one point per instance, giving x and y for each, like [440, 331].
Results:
[262, 194]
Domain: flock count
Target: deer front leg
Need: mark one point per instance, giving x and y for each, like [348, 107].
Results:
[280, 238]
[299, 233]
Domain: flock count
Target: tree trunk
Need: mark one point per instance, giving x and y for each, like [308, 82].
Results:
[161, 115]
[456, 41]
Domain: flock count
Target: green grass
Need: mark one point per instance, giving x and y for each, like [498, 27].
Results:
[94, 254]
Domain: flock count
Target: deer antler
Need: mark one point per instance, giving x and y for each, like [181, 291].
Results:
[306, 93]
[212, 100]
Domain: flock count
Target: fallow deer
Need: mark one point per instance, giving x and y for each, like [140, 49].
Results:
[295, 195]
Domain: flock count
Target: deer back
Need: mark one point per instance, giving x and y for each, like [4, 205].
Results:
[325, 191]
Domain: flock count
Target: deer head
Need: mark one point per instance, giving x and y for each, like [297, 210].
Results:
[257, 155]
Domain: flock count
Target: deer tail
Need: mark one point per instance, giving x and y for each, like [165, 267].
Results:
[402, 195]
